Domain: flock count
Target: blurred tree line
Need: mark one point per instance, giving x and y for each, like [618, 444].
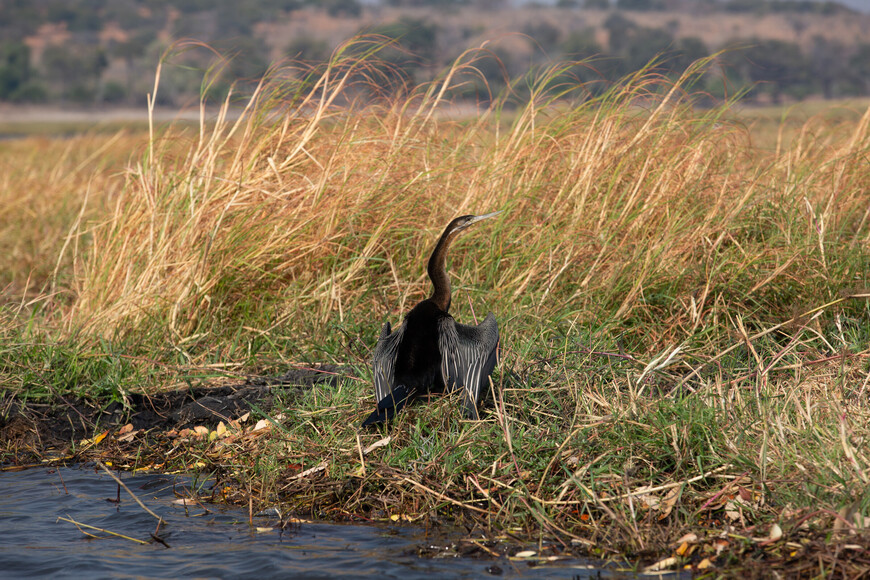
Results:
[106, 51]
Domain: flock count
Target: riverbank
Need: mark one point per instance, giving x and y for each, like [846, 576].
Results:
[683, 379]
[20, 121]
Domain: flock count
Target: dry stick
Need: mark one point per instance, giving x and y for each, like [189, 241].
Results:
[62, 482]
[827, 512]
[445, 497]
[763, 333]
[183, 367]
[471, 306]
[80, 525]
[362, 459]
[658, 488]
[720, 492]
[483, 547]
[486, 494]
[316, 469]
[127, 489]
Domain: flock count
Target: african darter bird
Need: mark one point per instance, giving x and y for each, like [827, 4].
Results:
[430, 351]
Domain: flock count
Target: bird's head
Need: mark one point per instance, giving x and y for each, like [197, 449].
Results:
[462, 222]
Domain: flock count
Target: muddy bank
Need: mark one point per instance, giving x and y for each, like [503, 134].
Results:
[157, 433]
[30, 431]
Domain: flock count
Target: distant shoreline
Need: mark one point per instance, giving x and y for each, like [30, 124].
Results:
[14, 117]
[35, 114]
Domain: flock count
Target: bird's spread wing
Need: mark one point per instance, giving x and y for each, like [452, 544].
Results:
[468, 356]
[384, 360]
[391, 397]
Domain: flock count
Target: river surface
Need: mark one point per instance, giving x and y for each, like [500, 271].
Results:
[216, 542]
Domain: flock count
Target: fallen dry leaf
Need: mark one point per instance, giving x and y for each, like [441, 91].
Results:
[95, 440]
[185, 501]
[648, 500]
[125, 429]
[681, 551]
[128, 436]
[295, 520]
[381, 443]
[319, 467]
[664, 564]
[690, 538]
[669, 501]
[775, 533]
[850, 517]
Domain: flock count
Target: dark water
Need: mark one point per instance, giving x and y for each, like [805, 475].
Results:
[217, 544]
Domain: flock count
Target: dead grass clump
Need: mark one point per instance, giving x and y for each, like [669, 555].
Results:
[605, 199]
[49, 190]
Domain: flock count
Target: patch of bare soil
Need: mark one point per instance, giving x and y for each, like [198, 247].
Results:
[32, 431]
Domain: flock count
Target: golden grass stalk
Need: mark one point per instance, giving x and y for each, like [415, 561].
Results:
[611, 202]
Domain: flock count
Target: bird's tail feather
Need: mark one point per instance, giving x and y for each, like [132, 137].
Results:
[389, 406]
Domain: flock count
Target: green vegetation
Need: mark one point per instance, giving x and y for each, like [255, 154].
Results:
[88, 52]
[684, 314]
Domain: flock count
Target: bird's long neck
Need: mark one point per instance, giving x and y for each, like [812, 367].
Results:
[438, 270]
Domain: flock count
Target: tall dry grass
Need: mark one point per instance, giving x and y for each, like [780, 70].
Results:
[634, 209]
[49, 190]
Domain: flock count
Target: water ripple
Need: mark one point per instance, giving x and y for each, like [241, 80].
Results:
[220, 544]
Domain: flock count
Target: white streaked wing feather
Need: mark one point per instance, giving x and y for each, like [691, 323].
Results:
[468, 356]
[384, 360]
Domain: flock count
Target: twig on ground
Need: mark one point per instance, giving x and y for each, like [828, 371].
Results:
[80, 525]
[133, 495]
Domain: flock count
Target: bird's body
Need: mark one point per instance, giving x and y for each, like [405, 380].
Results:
[430, 351]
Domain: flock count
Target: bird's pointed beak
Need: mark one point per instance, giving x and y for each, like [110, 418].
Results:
[478, 218]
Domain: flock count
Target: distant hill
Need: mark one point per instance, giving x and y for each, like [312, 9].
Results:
[91, 52]
[749, 5]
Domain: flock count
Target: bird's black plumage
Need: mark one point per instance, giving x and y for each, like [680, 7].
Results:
[430, 351]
